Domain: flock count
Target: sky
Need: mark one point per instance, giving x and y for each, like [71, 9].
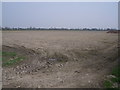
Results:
[0, 14]
[60, 14]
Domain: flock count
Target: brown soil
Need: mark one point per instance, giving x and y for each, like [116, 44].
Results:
[63, 59]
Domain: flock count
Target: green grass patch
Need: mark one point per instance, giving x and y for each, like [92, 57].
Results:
[9, 54]
[10, 58]
[13, 61]
[116, 71]
[108, 84]
[115, 79]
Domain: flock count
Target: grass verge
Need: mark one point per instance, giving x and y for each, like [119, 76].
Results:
[114, 79]
[10, 58]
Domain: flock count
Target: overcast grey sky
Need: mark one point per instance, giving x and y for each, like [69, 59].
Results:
[0, 14]
[60, 14]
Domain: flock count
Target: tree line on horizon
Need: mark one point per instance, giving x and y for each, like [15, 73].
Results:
[33, 28]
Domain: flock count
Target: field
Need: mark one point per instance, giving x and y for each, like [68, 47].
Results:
[58, 59]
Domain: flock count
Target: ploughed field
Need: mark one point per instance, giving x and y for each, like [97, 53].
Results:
[58, 59]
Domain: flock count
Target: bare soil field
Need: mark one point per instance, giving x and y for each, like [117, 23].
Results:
[59, 59]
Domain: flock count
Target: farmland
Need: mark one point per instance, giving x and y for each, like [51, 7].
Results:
[58, 59]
